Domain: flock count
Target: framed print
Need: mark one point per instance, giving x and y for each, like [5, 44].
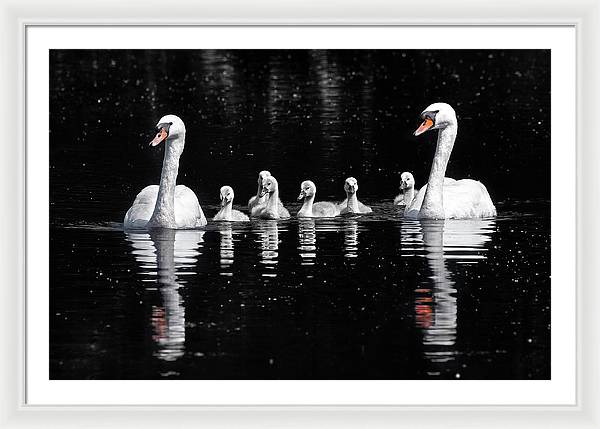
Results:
[244, 219]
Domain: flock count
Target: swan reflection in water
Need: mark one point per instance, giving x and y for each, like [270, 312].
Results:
[268, 240]
[227, 248]
[350, 238]
[307, 241]
[463, 242]
[164, 255]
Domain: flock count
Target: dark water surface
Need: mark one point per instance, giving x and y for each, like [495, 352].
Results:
[362, 297]
[357, 297]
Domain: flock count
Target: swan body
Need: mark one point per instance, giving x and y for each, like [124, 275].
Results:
[256, 204]
[407, 186]
[463, 199]
[312, 209]
[188, 213]
[227, 213]
[444, 198]
[351, 203]
[166, 205]
[256, 200]
[273, 209]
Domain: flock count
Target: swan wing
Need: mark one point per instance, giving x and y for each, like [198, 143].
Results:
[325, 209]
[467, 198]
[142, 208]
[238, 216]
[282, 211]
[463, 199]
[256, 205]
[364, 208]
[252, 202]
[188, 213]
[256, 201]
[257, 209]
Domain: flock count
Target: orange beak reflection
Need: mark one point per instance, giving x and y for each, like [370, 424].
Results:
[160, 136]
[427, 124]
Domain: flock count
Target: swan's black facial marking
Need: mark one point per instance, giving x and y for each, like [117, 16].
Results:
[430, 114]
[165, 126]
[428, 123]
[162, 133]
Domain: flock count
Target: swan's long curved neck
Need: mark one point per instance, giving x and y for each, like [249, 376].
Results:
[409, 195]
[225, 211]
[307, 206]
[259, 190]
[272, 202]
[352, 202]
[433, 202]
[164, 210]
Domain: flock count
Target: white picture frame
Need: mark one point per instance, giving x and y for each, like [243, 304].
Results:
[16, 16]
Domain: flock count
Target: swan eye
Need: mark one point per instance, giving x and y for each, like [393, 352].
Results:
[165, 126]
[430, 115]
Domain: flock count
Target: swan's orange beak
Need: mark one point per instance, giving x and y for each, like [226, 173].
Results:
[160, 136]
[427, 124]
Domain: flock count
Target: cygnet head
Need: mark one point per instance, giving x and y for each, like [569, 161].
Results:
[307, 190]
[226, 195]
[262, 176]
[436, 116]
[350, 185]
[270, 185]
[407, 181]
[169, 127]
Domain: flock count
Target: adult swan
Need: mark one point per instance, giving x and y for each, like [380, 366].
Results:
[166, 205]
[445, 199]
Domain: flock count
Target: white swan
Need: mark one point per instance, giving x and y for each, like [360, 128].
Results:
[273, 209]
[167, 205]
[255, 201]
[407, 186]
[444, 198]
[351, 203]
[227, 213]
[312, 209]
[257, 204]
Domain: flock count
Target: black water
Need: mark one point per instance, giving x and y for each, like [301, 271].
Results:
[373, 296]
